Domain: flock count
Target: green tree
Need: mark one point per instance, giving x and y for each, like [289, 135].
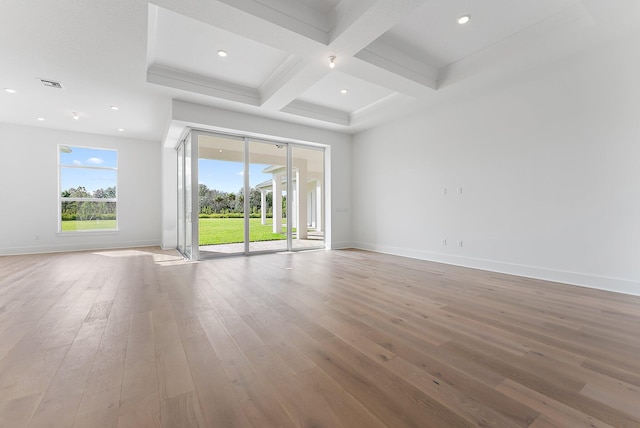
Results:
[255, 201]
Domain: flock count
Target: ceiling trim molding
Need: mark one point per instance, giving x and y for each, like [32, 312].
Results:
[385, 78]
[382, 103]
[299, 19]
[192, 82]
[381, 55]
[313, 111]
[388, 108]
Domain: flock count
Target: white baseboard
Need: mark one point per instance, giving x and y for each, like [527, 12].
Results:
[617, 285]
[57, 248]
[341, 245]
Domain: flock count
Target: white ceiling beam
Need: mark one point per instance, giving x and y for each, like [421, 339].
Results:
[290, 80]
[287, 85]
[360, 22]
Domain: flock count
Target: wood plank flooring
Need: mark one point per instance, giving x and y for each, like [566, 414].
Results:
[140, 338]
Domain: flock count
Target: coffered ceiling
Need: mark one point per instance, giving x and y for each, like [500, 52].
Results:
[391, 56]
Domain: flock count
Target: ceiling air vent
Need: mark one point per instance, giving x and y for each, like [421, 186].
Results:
[51, 83]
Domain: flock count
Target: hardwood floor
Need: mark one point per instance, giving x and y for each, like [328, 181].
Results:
[139, 338]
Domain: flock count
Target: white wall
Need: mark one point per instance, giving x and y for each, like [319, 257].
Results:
[29, 191]
[548, 162]
[338, 227]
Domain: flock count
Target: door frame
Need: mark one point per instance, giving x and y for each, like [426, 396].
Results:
[192, 217]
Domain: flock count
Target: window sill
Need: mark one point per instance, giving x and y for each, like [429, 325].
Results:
[87, 233]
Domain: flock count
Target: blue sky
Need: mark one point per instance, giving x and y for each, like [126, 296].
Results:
[88, 157]
[227, 176]
[91, 179]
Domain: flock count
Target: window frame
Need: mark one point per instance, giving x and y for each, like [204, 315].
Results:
[62, 199]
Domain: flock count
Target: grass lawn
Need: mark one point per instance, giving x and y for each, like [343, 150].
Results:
[88, 225]
[231, 230]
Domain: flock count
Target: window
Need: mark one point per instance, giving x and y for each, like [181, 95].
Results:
[88, 180]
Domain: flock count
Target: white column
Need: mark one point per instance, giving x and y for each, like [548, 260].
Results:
[301, 199]
[277, 203]
[311, 200]
[293, 200]
[263, 207]
[319, 207]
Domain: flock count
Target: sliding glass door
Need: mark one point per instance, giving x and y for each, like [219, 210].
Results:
[308, 197]
[248, 195]
[181, 201]
[268, 196]
[187, 235]
[221, 194]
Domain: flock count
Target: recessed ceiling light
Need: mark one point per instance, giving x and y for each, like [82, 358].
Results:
[9, 90]
[222, 53]
[40, 118]
[114, 107]
[464, 19]
[344, 91]
[120, 129]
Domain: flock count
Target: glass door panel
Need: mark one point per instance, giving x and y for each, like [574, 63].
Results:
[267, 196]
[188, 199]
[221, 195]
[307, 201]
[181, 210]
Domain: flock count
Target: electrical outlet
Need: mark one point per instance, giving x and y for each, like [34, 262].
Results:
[459, 243]
[444, 242]
[444, 192]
